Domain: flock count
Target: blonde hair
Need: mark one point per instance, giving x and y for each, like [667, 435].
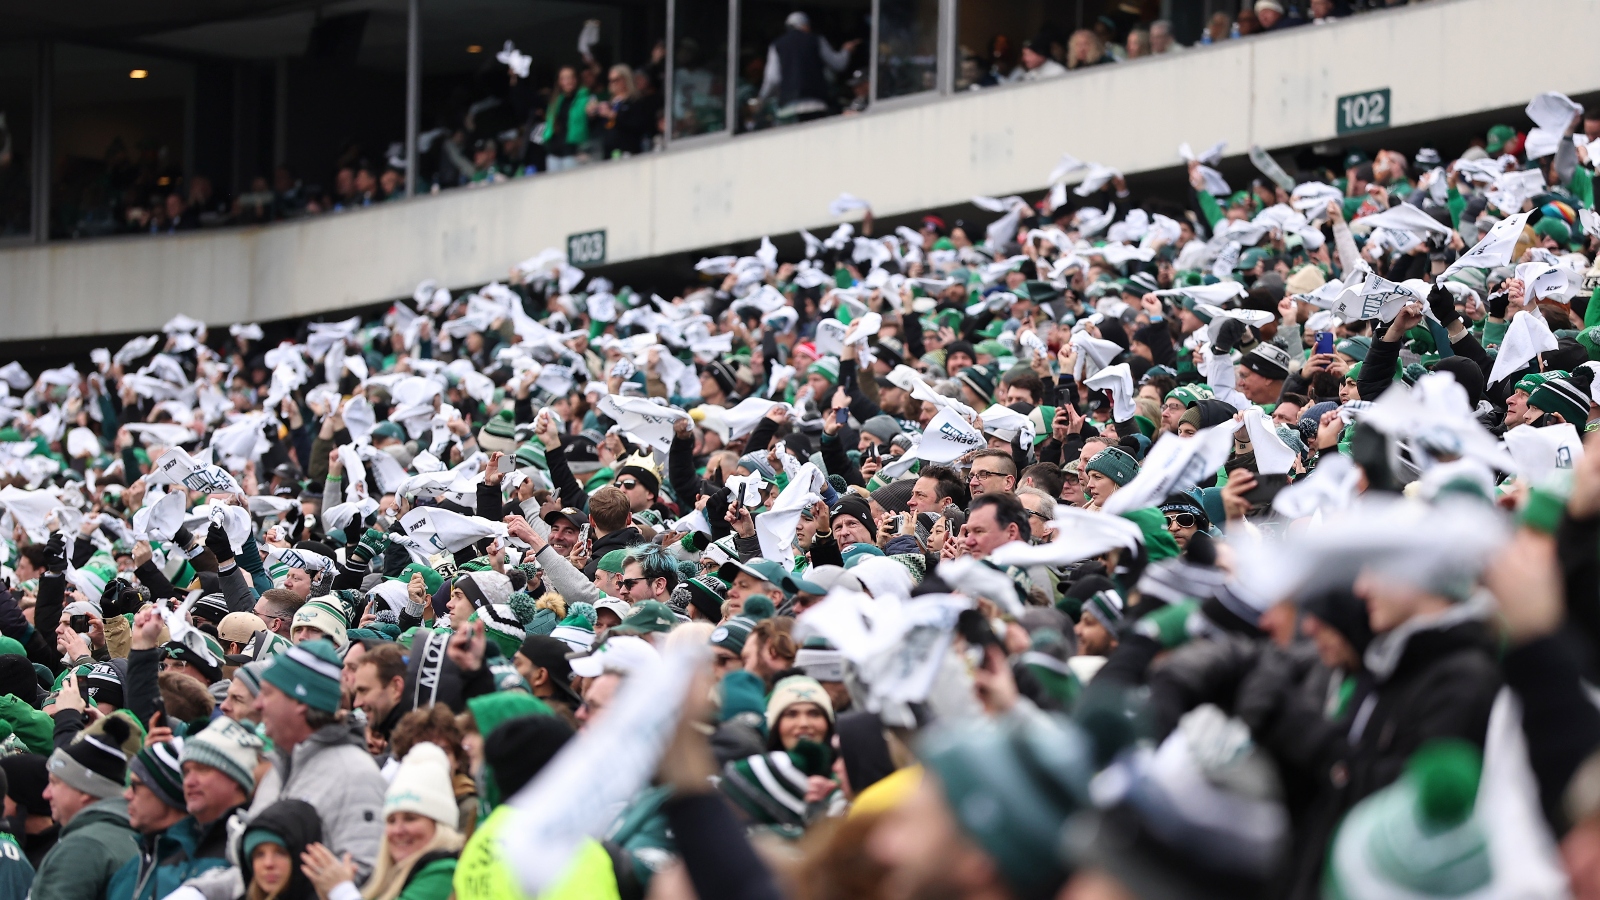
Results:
[389, 877]
[627, 77]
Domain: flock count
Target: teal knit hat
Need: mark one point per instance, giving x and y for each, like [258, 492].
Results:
[157, 768]
[1011, 787]
[827, 367]
[230, 748]
[1106, 607]
[1115, 464]
[771, 787]
[1418, 837]
[308, 673]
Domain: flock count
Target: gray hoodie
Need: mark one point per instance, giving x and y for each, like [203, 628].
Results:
[332, 771]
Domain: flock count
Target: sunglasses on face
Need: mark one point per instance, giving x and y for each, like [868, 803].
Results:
[628, 583]
[1182, 520]
[627, 485]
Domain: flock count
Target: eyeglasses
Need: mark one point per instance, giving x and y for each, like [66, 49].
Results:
[977, 475]
[628, 583]
[1182, 520]
[1038, 515]
[627, 485]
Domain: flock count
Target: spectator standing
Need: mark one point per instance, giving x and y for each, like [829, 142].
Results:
[1036, 62]
[795, 73]
[566, 127]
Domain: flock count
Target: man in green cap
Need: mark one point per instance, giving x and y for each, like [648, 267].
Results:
[648, 619]
[757, 577]
[1517, 411]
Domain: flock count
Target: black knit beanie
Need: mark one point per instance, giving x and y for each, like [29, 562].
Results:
[519, 748]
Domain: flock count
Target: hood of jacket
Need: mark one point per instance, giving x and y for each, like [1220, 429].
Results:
[110, 811]
[1458, 626]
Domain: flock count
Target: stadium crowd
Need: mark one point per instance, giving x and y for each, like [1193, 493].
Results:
[516, 117]
[1234, 545]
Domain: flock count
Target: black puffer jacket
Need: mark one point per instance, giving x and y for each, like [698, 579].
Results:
[1434, 680]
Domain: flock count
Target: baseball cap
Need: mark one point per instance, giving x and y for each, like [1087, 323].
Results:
[239, 627]
[551, 653]
[649, 617]
[798, 583]
[622, 654]
[764, 569]
[616, 605]
[830, 577]
[576, 516]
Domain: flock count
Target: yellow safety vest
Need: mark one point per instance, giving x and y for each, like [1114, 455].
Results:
[481, 874]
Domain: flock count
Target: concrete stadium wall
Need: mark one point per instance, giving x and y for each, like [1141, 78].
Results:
[1276, 91]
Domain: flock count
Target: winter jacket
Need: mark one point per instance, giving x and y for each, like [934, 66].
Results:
[641, 841]
[560, 576]
[333, 772]
[616, 540]
[16, 873]
[93, 846]
[168, 859]
[431, 879]
[1430, 678]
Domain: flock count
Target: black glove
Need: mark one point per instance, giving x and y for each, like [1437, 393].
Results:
[1443, 304]
[217, 542]
[1229, 333]
[55, 554]
[1498, 304]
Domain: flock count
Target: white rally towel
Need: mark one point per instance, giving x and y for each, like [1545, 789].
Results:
[448, 530]
[743, 417]
[1080, 534]
[159, 519]
[1117, 379]
[1528, 336]
[776, 528]
[1007, 424]
[1093, 353]
[897, 658]
[651, 423]
[1273, 456]
[30, 509]
[1174, 464]
[845, 203]
[1540, 453]
[1215, 294]
[576, 796]
[1331, 486]
[359, 418]
[1402, 217]
[1494, 249]
[948, 437]
[1543, 280]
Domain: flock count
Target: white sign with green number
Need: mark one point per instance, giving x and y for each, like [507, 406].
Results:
[1364, 111]
[587, 248]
